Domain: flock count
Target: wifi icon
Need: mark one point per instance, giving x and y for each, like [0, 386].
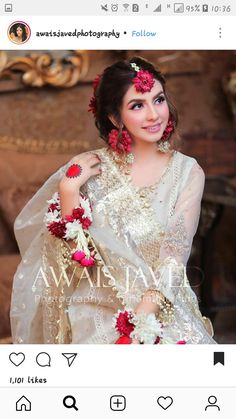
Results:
[126, 6]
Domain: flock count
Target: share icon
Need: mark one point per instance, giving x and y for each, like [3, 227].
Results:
[70, 358]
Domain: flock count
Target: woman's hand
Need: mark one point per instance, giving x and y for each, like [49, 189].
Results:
[148, 304]
[89, 164]
[69, 187]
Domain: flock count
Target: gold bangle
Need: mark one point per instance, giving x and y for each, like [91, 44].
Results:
[165, 306]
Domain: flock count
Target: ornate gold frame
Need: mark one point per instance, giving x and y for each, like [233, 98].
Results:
[41, 69]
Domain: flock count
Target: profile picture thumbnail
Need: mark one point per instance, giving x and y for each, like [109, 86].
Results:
[19, 32]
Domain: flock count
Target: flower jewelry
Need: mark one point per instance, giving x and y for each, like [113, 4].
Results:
[93, 103]
[147, 328]
[163, 145]
[74, 171]
[144, 80]
[142, 326]
[123, 322]
[168, 130]
[120, 145]
[72, 227]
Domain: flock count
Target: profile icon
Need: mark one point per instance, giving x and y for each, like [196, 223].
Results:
[19, 32]
[212, 400]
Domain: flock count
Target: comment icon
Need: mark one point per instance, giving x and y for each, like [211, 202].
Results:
[43, 359]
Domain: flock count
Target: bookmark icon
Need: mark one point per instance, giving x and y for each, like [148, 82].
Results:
[219, 358]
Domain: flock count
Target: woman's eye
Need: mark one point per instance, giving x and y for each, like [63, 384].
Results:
[137, 106]
[160, 99]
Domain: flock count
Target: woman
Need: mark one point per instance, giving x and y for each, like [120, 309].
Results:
[118, 229]
[18, 33]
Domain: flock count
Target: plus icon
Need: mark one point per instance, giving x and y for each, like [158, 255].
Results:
[118, 402]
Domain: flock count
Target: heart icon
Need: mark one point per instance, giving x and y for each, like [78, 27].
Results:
[17, 359]
[165, 402]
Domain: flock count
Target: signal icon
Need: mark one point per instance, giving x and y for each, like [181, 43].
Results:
[158, 9]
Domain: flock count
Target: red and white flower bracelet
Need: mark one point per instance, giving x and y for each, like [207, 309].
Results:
[72, 227]
[144, 327]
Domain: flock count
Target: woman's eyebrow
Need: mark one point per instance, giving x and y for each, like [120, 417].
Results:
[143, 100]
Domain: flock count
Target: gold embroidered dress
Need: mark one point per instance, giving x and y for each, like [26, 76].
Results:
[142, 238]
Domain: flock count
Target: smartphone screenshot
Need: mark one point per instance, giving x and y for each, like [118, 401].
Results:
[117, 209]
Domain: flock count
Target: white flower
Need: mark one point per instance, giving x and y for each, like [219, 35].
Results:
[73, 230]
[147, 328]
[51, 217]
[86, 206]
[55, 199]
[167, 340]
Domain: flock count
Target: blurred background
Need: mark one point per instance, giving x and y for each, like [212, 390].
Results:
[44, 122]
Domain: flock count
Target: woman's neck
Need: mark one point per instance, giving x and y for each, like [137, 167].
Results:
[145, 151]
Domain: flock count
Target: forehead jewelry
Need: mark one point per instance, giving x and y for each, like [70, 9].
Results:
[144, 80]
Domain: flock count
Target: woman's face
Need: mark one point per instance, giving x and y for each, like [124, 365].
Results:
[145, 115]
[19, 31]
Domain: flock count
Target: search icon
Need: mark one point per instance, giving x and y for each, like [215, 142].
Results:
[71, 404]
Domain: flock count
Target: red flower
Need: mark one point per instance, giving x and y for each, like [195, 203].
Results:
[92, 103]
[78, 255]
[77, 213]
[87, 261]
[86, 223]
[96, 82]
[181, 342]
[123, 340]
[69, 219]
[144, 81]
[57, 228]
[92, 107]
[120, 145]
[158, 339]
[53, 207]
[113, 139]
[123, 326]
[168, 129]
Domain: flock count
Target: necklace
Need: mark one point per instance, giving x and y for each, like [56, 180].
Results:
[144, 192]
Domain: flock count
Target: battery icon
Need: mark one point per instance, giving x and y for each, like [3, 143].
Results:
[205, 7]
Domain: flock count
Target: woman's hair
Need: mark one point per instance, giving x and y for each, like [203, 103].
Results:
[14, 30]
[113, 85]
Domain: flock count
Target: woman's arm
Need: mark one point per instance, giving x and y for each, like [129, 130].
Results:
[69, 187]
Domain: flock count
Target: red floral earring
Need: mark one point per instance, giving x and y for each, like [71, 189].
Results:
[163, 144]
[120, 142]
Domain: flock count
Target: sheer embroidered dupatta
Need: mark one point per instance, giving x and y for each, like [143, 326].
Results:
[135, 252]
[37, 312]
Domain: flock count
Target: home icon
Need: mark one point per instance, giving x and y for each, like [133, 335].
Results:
[23, 404]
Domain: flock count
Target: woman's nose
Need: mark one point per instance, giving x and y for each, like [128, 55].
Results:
[152, 112]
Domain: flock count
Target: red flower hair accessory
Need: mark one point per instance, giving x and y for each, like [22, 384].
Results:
[144, 80]
[92, 104]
